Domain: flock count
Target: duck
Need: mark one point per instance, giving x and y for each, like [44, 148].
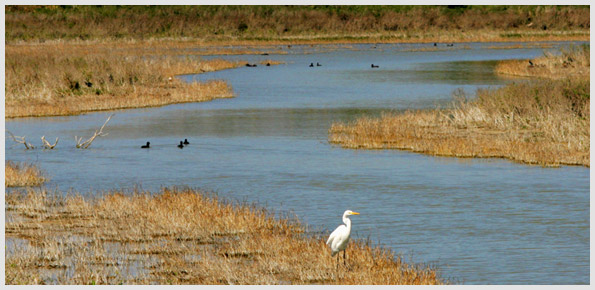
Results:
[268, 64]
[375, 66]
[186, 142]
[181, 145]
[311, 64]
[146, 146]
[318, 64]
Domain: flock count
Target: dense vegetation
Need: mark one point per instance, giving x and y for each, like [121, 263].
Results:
[39, 23]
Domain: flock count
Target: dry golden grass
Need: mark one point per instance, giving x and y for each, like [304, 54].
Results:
[49, 80]
[22, 174]
[178, 236]
[545, 123]
[572, 62]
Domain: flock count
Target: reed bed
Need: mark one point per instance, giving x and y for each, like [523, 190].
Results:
[571, 62]
[22, 174]
[264, 23]
[178, 236]
[51, 80]
[543, 122]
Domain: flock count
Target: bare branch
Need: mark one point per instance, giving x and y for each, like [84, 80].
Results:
[21, 139]
[47, 144]
[98, 133]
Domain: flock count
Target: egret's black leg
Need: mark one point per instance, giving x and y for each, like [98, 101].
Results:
[344, 254]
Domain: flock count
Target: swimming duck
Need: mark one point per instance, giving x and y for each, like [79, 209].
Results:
[186, 142]
[181, 145]
[311, 64]
[318, 64]
[375, 66]
[146, 146]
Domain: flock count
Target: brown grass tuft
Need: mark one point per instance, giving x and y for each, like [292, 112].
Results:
[545, 123]
[22, 174]
[178, 237]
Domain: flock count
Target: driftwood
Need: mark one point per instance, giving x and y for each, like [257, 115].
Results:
[21, 139]
[47, 144]
[98, 133]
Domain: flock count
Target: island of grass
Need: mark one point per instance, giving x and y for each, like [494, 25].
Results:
[543, 121]
[22, 174]
[179, 236]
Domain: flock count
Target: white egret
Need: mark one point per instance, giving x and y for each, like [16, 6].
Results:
[340, 236]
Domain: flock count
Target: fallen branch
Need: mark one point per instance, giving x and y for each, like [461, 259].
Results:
[21, 139]
[98, 133]
[47, 144]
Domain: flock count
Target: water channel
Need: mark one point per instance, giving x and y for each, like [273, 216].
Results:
[480, 221]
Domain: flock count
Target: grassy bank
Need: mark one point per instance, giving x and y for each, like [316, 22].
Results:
[22, 174]
[178, 237]
[572, 62]
[50, 80]
[298, 23]
[543, 122]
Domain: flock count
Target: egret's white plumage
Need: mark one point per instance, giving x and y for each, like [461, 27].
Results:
[340, 236]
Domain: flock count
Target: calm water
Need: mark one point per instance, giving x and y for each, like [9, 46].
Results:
[481, 221]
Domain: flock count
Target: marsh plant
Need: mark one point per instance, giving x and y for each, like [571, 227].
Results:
[48, 80]
[179, 236]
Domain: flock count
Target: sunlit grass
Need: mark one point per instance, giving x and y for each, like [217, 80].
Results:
[179, 236]
[543, 122]
[22, 174]
[571, 62]
[49, 80]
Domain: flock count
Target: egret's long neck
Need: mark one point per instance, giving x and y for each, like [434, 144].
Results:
[347, 222]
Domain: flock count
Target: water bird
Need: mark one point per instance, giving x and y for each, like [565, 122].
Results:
[268, 64]
[452, 44]
[340, 236]
[435, 44]
[146, 146]
[318, 64]
[250, 65]
[530, 63]
[181, 145]
[186, 142]
[375, 66]
[311, 64]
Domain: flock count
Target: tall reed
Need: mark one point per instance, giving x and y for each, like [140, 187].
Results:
[179, 236]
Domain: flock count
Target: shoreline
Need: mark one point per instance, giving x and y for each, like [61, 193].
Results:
[119, 237]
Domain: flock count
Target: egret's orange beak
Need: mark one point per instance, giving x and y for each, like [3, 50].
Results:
[356, 213]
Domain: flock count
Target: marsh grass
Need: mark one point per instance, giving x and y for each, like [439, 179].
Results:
[49, 80]
[306, 22]
[178, 236]
[543, 122]
[571, 62]
[22, 174]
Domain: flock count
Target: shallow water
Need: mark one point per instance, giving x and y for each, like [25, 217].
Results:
[480, 221]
